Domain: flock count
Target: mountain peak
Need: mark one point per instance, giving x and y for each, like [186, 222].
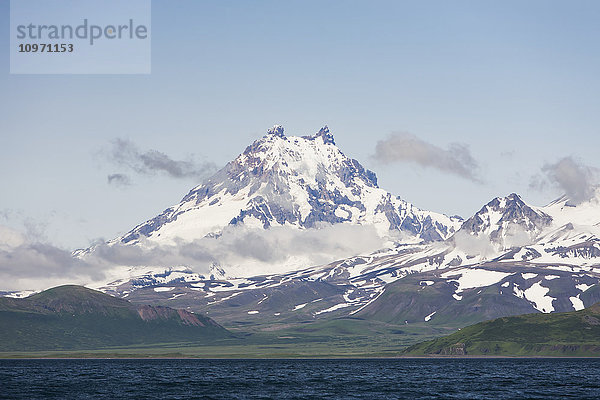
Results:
[325, 135]
[504, 218]
[514, 197]
[276, 130]
[592, 197]
[498, 203]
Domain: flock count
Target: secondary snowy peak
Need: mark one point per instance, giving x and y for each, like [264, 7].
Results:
[300, 182]
[507, 222]
[574, 234]
[584, 215]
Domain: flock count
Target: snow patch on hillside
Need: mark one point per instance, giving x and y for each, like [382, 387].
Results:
[536, 294]
[469, 278]
[577, 303]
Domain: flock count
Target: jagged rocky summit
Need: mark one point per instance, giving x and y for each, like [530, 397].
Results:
[298, 182]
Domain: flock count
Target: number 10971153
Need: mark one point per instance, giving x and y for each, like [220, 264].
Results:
[45, 48]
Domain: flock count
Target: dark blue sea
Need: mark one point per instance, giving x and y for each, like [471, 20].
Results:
[301, 379]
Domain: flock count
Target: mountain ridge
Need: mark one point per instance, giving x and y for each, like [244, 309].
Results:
[436, 283]
[75, 317]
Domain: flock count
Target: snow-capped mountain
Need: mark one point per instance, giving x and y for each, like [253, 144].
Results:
[298, 182]
[508, 258]
[508, 229]
[443, 283]
[507, 222]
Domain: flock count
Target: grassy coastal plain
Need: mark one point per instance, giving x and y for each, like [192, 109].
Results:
[353, 338]
[75, 322]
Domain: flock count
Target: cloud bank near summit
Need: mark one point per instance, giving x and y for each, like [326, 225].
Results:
[33, 265]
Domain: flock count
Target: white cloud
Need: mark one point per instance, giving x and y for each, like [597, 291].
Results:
[577, 180]
[32, 265]
[242, 251]
[404, 147]
[125, 153]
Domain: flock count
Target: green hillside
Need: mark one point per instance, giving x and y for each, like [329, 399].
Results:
[574, 333]
[74, 317]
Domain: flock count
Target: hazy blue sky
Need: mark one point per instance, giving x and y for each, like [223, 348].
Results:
[515, 81]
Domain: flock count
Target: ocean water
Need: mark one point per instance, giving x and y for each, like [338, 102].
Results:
[301, 379]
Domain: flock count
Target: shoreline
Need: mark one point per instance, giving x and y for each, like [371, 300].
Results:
[473, 357]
